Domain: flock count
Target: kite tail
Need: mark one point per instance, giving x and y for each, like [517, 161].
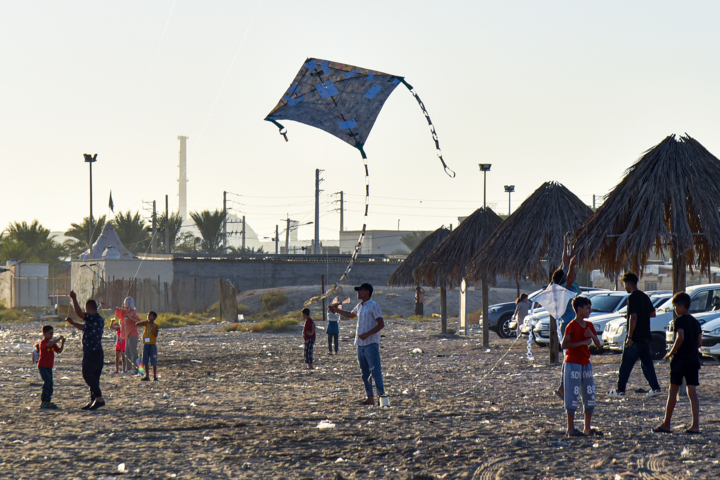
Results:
[283, 130]
[358, 245]
[432, 127]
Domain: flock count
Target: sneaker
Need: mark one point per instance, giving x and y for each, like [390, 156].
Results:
[155, 379]
[51, 405]
[89, 404]
[45, 405]
[615, 394]
[96, 404]
[144, 379]
[653, 393]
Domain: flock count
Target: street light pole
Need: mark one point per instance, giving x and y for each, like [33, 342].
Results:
[90, 160]
[509, 189]
[485, 167]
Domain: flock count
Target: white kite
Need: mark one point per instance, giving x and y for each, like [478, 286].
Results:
[555, 300]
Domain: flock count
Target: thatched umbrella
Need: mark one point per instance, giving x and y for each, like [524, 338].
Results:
[531, 240]
[446, 266]
[668, 198]
[533, 233]
[403, 276]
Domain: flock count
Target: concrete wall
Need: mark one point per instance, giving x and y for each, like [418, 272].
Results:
[377, 242]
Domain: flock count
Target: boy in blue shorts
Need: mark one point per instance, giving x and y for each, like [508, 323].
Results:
[578, 373]
[150, 353]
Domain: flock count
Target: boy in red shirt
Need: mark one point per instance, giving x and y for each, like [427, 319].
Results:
[578, 381]
[309, 337]
[48, 347]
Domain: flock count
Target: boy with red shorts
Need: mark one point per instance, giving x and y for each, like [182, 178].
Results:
[119, 347]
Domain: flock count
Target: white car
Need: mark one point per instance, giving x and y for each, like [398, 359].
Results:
[710, 324]
[704, 298]
[602, 303]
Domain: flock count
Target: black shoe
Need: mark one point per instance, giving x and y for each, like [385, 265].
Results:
[97, 404]
[87, 407]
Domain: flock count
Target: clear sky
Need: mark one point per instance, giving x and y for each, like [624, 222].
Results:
[568, 91]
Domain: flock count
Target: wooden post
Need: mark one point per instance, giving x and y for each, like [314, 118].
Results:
[554, 342]
[485, 313]
[195, 301]
[222, 297]
[322, 292]
[443, 309]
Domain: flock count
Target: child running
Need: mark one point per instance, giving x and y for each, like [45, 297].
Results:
[47, 348]
[119, 348]
[578, 381]
[150, 352]
[684, 363]
[309, 337]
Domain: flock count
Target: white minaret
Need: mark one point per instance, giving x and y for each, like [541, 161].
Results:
[182, 181]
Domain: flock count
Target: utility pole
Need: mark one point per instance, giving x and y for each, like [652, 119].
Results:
[90, 160]
[277, 240]
[287, 236]
[225, 222]
[167, 226]
[593, 201]
[316, 249]
[154, 227]
[342, 212]
[243, 235]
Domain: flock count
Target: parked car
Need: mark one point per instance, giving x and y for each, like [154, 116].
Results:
[500, 316]
[526, 322]
[601, 321]
[602, 304]
[703, 299]
[710, 324]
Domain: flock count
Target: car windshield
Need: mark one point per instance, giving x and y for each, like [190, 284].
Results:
[605, 303]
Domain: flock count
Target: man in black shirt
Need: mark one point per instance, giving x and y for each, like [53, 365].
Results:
[93, 356]
[637, 342]
[684, 363]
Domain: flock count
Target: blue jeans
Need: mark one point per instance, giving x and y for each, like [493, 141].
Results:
[369, 361]
[47, 389]
[630, 356]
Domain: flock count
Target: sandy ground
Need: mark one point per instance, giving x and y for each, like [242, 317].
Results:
[240, 405]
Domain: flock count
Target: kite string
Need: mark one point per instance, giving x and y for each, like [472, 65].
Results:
[491, 369]
[358, 245]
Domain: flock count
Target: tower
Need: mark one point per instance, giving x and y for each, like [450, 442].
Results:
[182, 180]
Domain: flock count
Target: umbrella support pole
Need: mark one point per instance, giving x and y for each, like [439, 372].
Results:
[463, 307]
[485, 314]
[443, 310]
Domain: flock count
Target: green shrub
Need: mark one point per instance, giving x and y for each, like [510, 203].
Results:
[11, 315]
[242, 309]
[170, 320]
[420, 318]
[273, 300]
[274, 324]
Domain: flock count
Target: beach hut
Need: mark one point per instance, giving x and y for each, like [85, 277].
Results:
[529, 243]
[668, 199]
[446, 266]
[403, 276]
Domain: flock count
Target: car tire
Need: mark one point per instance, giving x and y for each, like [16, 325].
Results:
[596, 351]
[503, 330]
[658, 347]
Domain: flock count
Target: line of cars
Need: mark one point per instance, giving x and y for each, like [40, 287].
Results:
[609, 311]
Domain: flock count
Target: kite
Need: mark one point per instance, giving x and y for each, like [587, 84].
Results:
[344, 101]
[555, 301]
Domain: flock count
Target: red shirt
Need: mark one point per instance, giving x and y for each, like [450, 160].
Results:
[575, 333]
[47, 354]
[309, 327]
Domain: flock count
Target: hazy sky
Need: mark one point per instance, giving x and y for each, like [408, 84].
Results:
[567, 91]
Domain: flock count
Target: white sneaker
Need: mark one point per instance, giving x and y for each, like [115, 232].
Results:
[615, 394]
[653, 393]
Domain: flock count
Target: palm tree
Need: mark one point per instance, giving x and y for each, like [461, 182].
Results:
[210, 225]
[132, 231]
[187, 243]
[173, 225]
[79, 233]
[31, 243]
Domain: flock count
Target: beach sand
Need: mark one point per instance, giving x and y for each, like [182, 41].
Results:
[240, 405]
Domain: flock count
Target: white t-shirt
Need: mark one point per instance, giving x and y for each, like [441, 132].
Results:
[367, 313]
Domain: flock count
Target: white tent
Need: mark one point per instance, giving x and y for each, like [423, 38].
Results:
[108, 239]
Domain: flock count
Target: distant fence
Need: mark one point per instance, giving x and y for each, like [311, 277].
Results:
[181, 296]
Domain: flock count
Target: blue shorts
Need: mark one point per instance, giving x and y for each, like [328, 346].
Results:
[150, 354]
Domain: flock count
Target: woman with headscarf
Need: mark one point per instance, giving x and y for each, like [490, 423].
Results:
[129, 331]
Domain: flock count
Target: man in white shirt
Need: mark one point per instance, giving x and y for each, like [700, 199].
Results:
[367, 339]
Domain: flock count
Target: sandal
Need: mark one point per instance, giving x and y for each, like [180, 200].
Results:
[594, 432]
[660, 429]
[690, 432]
[575, 433]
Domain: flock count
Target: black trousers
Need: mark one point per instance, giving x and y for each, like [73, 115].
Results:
[331, 337]
[92, 365]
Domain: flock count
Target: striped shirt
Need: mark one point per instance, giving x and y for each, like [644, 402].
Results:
[367, 313]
